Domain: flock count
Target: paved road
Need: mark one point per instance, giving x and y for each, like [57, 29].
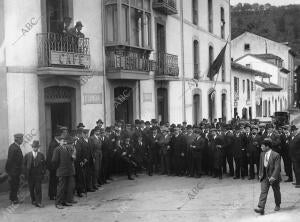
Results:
[163, 198]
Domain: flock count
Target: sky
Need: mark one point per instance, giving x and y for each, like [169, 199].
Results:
[272, 2]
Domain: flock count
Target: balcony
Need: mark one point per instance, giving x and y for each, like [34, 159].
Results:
[166, 66]
[167, 7]
[56, 51]
[124, 64]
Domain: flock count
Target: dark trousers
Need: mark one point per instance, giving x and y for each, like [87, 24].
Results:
[265, 185]
[35, 189]
[287, 165]
[81, 178]
[179, 164]
[240, 168]
[196, 164]
[104, 168]
[156, 161]
[65, 189]
[165, 163]
[14, 184]
[97, 168]
[228, 157]
[253, 160]
[53, 180]
[150, 165]
[296, 166]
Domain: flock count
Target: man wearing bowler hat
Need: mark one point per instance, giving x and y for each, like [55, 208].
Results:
[294, 148]
[269, 175]
[35, 168]
[13, 167]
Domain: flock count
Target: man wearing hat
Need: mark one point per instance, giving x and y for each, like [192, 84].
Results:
[35, 168]
[269, 175]
[154, 158]
[178, 148]
[99, 125]
[13, 167]
[81, 162]
[96, 149]
[63, 158]
[274, 136]
[285, 139]
[189, 139]
[294, 148]
[253, 151]
[165, 151]
[197, 148]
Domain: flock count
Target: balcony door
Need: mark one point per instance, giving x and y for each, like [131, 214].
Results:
[123, 104]
[162, 105]
[160, 46]
[56, 11]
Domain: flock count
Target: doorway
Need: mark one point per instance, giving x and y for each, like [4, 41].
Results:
[60, 109]
[162, 105]
[123, 104]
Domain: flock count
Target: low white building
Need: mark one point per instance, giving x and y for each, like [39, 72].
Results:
[244, 91]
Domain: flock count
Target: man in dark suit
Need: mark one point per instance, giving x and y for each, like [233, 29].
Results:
[35, 168]
[294, 148]
[96, 149]
[63, 158]
[13, 167]
[269, 175]
[165, 151]
[154, 148]
[197, 148]
[178, 149]
[253, 151]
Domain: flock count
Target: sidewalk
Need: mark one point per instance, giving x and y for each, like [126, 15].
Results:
[163, 198]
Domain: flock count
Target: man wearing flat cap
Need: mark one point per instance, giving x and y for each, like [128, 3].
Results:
[13, 167]
[269, 175]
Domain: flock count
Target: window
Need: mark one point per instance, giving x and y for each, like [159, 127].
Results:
[196, 59]
[247, 47]
[248, 89]
[265, 107]
[111, 23]
[252, 86]
[222, 23]
[248, 65]
[236, 82]
[135, 22]
[269, 108]
[211, 57]
[210, 16]
[195, 12]
[243, 86]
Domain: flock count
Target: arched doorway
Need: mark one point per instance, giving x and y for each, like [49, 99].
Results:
[196, 109]
[211, 104]
[60, 109]
[224, 106]
[162, 105]
[244, 113]
[123, 104]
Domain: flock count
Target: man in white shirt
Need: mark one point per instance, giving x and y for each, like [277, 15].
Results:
[269, 175]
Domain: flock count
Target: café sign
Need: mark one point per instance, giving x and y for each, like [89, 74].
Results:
[70, 59]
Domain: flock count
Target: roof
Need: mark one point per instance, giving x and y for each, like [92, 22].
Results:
[243, 68]
[268, 86]
[256, 57]
[267, 56]
[250, 33]
[284, 70]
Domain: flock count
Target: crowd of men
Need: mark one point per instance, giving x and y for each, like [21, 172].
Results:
[83, 160]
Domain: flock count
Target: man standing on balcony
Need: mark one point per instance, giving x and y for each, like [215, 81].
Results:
[64, 27]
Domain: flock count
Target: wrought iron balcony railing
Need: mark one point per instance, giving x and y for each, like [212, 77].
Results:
[63, 50]
[131, 62]
[165, 6]
[166, 64]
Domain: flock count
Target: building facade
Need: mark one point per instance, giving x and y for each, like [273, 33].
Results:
[249, 43]
[139, 59]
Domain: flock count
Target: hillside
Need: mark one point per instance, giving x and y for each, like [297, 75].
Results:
[280, 24]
